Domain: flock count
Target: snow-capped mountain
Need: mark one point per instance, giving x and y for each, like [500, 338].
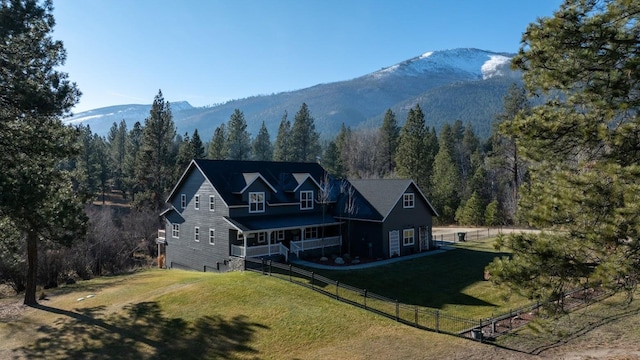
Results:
[476, 63]
[449, 85]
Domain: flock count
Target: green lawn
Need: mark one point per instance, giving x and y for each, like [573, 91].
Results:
[168, 314]
[452, 281]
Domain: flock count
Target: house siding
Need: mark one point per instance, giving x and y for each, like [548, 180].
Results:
[185, 252]
[401, 218]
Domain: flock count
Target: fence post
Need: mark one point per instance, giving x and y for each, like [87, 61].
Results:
[289, 272]
[437, 320]
[365, 299]
[263, 271]
[312, 279]
[397, 310]
[270, 267]
[337, 287]
[416, 315]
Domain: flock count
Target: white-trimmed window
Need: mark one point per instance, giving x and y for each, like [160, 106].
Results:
[183, 201]
[239, 236]
[262, 237]
[256, 202]
[196, 234]
[196, 202]
[408, 237]
[212, 203]
[212, 236]
[311, 233]
[175, 230]
[280, 235]
[408, 200]
[306, 200]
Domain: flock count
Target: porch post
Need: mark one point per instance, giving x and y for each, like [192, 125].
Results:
[302, 238]
[244, 240]
[269, 241]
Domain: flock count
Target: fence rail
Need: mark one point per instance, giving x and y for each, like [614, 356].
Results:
[413, 315]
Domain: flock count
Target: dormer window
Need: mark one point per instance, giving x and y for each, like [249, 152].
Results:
[256, 202]
[196, 202]
[183, 201]
[408, 201]
[306, 200]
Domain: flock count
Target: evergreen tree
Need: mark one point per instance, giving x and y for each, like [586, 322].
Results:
[197, 146]
[413, 156]
[445, 186]
[186, 153]
[282, 146]
[504, 161]
[116, 148]
[389, 134]
[218, 149]
[262, 148]
[471, 212]
[157, 158]
[305, 140]
[344, 153]
[36, 195]
[584, 151]
[133, 145]
[332, 162]
[238, 139]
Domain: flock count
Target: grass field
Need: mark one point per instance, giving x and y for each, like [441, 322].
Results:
[452, 281]
[181, 314]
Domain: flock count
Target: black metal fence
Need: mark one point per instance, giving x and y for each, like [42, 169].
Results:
[420, 317]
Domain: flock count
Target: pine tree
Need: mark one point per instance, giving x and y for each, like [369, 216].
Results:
[413, 156]
[132, 159]
[305, 140]
[389, 134]
[282, 146]
[471, 212]
[157, 158]
[185, 154]
[238, 139]
[445, 186]
[36, 194]
[218, 149]
[116, 149]
[197, 147]
[262, 148]
[331, 161]
[504, 160]
[583, 147]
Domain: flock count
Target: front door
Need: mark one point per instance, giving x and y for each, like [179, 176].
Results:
[424, 239]
[394, 243]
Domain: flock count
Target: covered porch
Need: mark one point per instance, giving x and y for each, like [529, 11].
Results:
[268, 236]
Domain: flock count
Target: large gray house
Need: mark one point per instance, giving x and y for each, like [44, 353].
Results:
[222, 210]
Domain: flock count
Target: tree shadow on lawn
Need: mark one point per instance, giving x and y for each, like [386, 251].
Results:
[140, 331]
[430, 281]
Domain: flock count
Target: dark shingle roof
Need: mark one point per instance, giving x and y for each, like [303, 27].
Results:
[384, 194]
[230, 177]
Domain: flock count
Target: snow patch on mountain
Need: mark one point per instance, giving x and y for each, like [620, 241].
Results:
[479, 64]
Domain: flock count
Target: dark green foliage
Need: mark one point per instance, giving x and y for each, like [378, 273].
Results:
[262, 148]
[584, 150]
[282, 147]
[218, 149]
[133, 145]
[305, 143]
[35, 191]
[445, 186]
[471, 212]
[238, 139]
[116, 148]
[332, 161]
[156, 167]
[197, 146]
[415, 154]
[389, 135]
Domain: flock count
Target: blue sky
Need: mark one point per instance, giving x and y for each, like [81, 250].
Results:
[210, 51]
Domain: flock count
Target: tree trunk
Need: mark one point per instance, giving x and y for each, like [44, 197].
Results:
[32, 272]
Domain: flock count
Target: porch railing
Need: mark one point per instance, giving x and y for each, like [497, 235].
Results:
[261, 250]
[309, 244]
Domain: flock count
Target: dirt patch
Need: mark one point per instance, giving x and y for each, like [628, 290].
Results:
[11, 309]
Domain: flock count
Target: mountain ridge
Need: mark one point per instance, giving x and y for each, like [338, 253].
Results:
[435, 80]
